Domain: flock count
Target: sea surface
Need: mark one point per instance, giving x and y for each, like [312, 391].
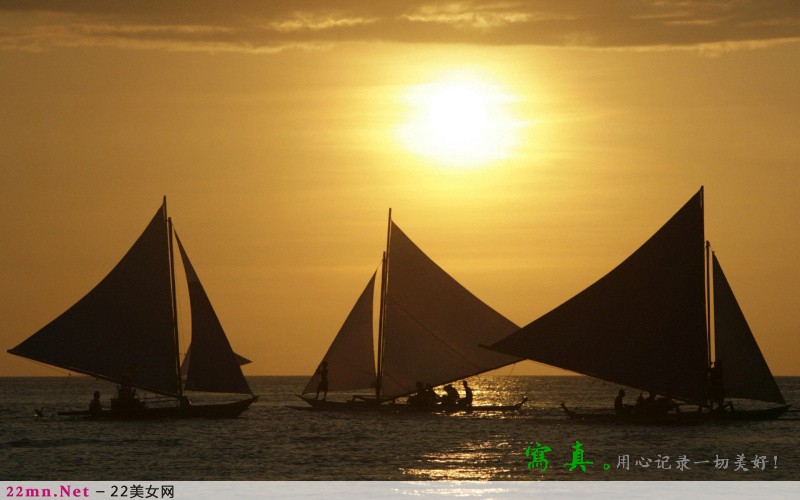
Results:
[271, 441]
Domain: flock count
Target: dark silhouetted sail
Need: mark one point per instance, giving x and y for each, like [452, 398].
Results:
[213, 367]
[433, 326]
[351, 356]
[641, 325]
[124, 325]
[241, 360]
[745, 373]
[188, 358]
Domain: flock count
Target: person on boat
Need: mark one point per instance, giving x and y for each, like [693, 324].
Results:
[620, 409]
[640, 402]
[125, 391]
[430, 397]
[126, 395]
[466, 401]
[648, 406]
[418, 398]
[452, 397]
[95, 408]
[717, 387]
[654, 405]
[323, 380]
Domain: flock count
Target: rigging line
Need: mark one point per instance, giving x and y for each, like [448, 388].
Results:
[40, 410]
[480, 369]
[587, 391]
[437, 337]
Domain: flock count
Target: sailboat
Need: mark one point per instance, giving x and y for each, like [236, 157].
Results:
[429, 328]
[125, 331]
[647, 325]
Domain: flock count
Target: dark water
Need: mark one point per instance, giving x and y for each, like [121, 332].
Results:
[273, 442]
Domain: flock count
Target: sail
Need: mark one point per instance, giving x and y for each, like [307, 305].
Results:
[213, 367]
[745, 373]
[433, 326]
[188, 358]
[641, 325]
[351, 356]
[124, 325]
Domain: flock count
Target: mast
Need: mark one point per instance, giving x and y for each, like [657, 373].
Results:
[174, 304]
[708, 301]
[382, 308]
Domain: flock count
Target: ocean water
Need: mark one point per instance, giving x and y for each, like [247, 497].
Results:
[273, 442]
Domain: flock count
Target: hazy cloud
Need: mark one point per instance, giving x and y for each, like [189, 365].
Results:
[250, 25]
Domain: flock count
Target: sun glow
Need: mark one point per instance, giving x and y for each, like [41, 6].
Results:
[460, 123]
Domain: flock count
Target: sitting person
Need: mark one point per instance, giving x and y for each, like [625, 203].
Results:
[655, 405]
[418, 398]
[95, 408]
[451, 398]
[126, 396]
[431, 398]
[640, 402]
[716, 386]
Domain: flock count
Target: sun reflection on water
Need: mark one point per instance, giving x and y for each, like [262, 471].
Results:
[466, 461]
[455, 489]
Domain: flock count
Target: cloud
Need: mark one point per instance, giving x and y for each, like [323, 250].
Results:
[262, 26]
[468, 16]
[314, 22]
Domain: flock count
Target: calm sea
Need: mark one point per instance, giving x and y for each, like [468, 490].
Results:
[273, 442]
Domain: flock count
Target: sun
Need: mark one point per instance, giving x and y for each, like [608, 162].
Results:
[459, 123]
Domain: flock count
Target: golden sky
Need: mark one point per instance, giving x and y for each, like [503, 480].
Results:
[281, 132]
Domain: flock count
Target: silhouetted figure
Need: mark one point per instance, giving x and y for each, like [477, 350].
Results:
[451, 398]
[466, 401]
[654, 405]
[419, 398]
[716, 385]
[95, 408]
[125, 390]
[323, 380]
[126, 396]
[640, 402]
[619, 407]
[431, 398]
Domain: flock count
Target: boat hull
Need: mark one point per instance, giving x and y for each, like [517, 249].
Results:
[686, 418]
[670, 419]
[765, 414]
[223, 410]
[357, 406]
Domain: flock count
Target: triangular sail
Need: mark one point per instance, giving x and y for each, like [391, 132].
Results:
[188, 358]
[122, 327]
[642, 324]
[351, 356]
[433, 326]
[213, 367]
[745, 373]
